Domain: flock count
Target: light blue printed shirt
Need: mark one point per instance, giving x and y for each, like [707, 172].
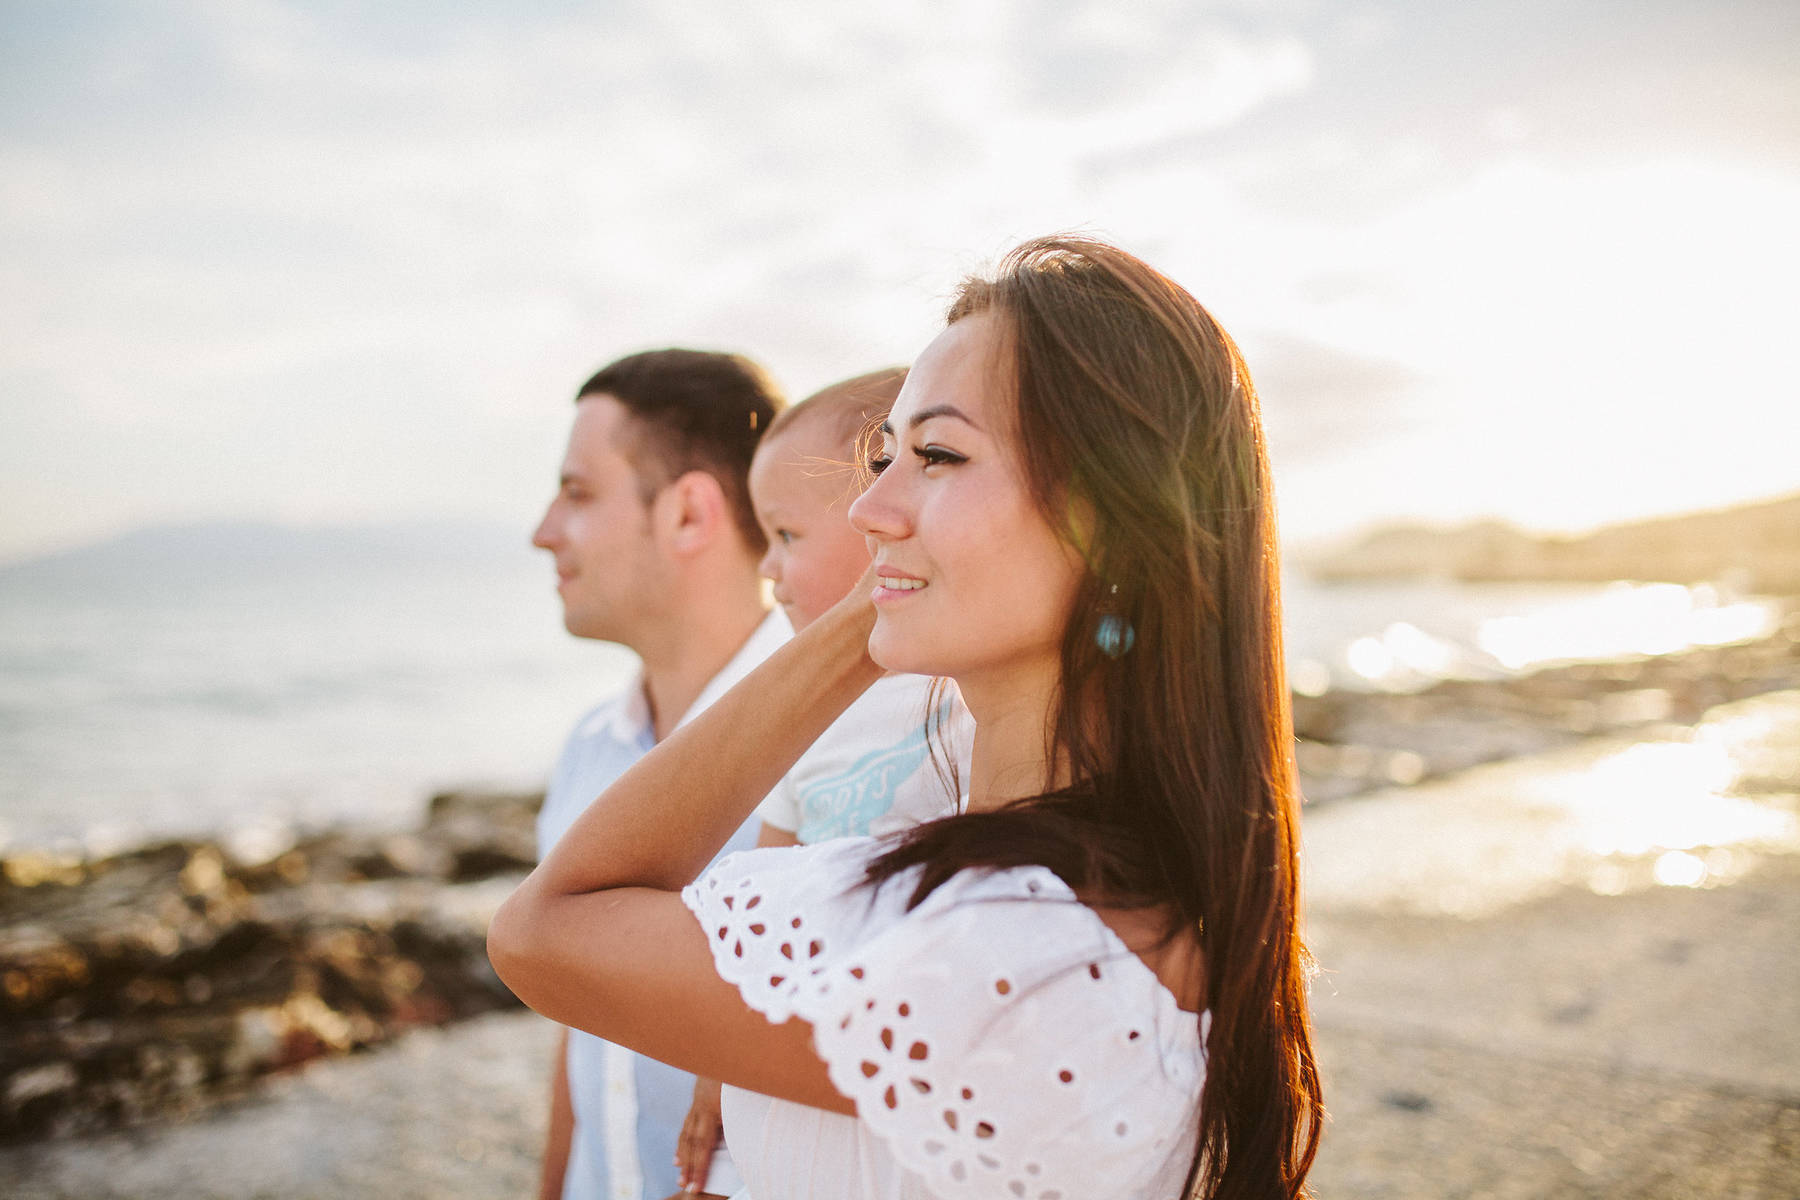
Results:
[872, 771]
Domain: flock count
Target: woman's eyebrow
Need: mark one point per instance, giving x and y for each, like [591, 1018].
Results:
[940, 410]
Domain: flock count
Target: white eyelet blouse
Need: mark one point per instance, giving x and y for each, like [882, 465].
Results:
[999, 1040]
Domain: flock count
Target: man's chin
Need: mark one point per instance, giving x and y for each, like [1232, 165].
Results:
[583, 627]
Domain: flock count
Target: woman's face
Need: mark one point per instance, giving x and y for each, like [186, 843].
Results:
[971, 580]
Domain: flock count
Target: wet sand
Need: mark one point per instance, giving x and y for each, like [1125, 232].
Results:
[446, 1112]
[1492, 1025]
[1571, 974]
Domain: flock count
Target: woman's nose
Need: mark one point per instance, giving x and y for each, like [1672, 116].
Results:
[879, 511]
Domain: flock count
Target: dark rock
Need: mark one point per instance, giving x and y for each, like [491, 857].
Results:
[157, 980]
[1407, 1101]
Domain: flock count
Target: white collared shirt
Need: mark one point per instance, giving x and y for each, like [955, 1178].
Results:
[614, 734]
[629, 1109]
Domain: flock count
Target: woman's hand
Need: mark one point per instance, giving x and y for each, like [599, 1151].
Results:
[860, 599]
[856, 610]
[701, 1134]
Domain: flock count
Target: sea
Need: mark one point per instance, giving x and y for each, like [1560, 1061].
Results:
[252, 682]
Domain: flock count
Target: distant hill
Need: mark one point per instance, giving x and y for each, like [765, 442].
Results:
[1756, 546]
[214, 550]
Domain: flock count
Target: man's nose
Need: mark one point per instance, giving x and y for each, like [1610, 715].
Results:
[543, 537]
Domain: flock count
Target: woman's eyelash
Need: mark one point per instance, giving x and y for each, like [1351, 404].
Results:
[931, 456]
[937, 456]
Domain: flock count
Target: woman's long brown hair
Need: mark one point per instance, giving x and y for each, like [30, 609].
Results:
[1143, 445]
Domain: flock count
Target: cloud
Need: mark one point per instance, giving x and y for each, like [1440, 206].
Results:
[1600, 342]
[1320, 400]
[335, 259]
[314, 259]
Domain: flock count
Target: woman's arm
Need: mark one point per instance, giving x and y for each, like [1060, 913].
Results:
[665, 818]
[769, 835]
[598, 938]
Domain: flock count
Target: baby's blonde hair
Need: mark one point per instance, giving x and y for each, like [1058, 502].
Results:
[852, 406]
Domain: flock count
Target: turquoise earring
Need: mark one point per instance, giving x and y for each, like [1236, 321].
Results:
[1114, 635]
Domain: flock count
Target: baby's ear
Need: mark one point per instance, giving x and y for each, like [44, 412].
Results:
[690, 513]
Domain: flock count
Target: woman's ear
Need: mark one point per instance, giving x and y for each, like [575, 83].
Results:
[690, 513]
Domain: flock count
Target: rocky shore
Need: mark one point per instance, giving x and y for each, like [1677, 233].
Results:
[152, 985]
[1560, 1033]
[1352, 742]
[154, 982]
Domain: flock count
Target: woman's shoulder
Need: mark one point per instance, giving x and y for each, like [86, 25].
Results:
[825, 884]
[823, 878]
[999, 1028]
[784, 922]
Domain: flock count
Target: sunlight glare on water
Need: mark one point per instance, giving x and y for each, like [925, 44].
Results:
[1593, 623]
[1623, 620]
[1669, 796]
[1608, 815]
[1678, 868]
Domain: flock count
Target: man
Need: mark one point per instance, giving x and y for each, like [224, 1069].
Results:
[656, 548]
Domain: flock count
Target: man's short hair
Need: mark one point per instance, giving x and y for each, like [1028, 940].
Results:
[694, 410]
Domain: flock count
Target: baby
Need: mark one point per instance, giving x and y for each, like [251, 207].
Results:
[873, 771]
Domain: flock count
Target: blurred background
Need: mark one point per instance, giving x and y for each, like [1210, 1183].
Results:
[295, 298]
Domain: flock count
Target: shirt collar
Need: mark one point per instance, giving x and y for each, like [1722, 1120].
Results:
[631, 719]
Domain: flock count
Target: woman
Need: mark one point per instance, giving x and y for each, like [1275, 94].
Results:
[1090, 982]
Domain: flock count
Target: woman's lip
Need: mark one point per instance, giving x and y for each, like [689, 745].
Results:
[886, 591]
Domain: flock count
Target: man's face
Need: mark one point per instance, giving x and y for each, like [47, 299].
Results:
[610, 570]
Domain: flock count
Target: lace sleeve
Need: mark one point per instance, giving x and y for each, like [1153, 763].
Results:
[999, 1039]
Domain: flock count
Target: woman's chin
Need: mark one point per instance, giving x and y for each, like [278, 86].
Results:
[894, 655]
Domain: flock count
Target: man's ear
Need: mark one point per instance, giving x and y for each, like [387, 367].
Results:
[691, 513]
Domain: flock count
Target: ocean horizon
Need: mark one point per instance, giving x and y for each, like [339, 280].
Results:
[243, 680]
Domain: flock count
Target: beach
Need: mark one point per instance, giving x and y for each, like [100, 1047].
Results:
[1580, 1016]
[320, 563]
[1556, 960]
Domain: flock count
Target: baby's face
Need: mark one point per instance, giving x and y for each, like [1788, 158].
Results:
[801, 484]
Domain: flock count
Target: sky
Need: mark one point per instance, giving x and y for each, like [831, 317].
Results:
[345, 262]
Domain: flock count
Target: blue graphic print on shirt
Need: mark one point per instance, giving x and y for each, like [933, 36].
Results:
[844, 804]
